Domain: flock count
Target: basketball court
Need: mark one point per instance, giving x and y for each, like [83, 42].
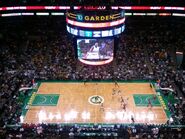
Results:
[95, 102]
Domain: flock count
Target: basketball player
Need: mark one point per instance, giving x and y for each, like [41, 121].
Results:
[132, 119]
[122, 100]
[123, 103]
[101, 107]
[126, 100]
[119, 92]
[113, 91]
[154, 97]
[85, 81]
[95, 49]
[149, 103]
[116, 84]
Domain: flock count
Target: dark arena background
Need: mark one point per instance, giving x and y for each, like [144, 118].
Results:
[92, 69]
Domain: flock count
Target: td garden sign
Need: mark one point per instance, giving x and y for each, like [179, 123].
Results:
[95, 18]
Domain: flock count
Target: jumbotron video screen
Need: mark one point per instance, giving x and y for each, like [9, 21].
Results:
[95, 49]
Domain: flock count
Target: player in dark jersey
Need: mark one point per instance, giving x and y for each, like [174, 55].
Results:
[149, 103]
[113, 91]
[132, 119]
[101, 107]
[116, 84]
[123, 104]
[85, 81]
[121, 99]
[119, 92]
[154, 97]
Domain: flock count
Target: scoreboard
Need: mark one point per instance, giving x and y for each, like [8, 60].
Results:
[90, 33]
[95, 24]
[94, 33]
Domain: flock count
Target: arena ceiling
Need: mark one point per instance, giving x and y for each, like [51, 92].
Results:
[94, 2]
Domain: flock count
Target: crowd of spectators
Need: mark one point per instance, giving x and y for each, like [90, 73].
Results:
[96, 131]
[42, 51]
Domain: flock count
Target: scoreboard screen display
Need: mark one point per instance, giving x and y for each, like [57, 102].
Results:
[96, 33]
[95, 49]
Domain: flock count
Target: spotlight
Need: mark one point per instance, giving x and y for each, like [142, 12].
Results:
[138, 118]
[67, 117]
[171, 119]
[109, 116]
[71, 115]
[150, 116]
[21, 119]
[58, 116]
[42, 116]
[51, 116]
[143, 115]
[120, 115]
[85, 115]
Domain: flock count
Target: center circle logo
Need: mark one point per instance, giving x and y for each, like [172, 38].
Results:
[96, 100]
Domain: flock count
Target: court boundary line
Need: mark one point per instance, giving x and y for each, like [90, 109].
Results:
[40, 82]
[165, 111]
[144, 105]
[44, 95]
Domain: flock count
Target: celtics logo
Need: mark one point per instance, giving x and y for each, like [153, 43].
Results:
[96, 100]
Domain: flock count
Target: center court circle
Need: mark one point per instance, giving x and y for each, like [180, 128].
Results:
[95, 100]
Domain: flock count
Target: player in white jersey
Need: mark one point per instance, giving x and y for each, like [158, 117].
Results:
[95, 48]
[94, 52]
